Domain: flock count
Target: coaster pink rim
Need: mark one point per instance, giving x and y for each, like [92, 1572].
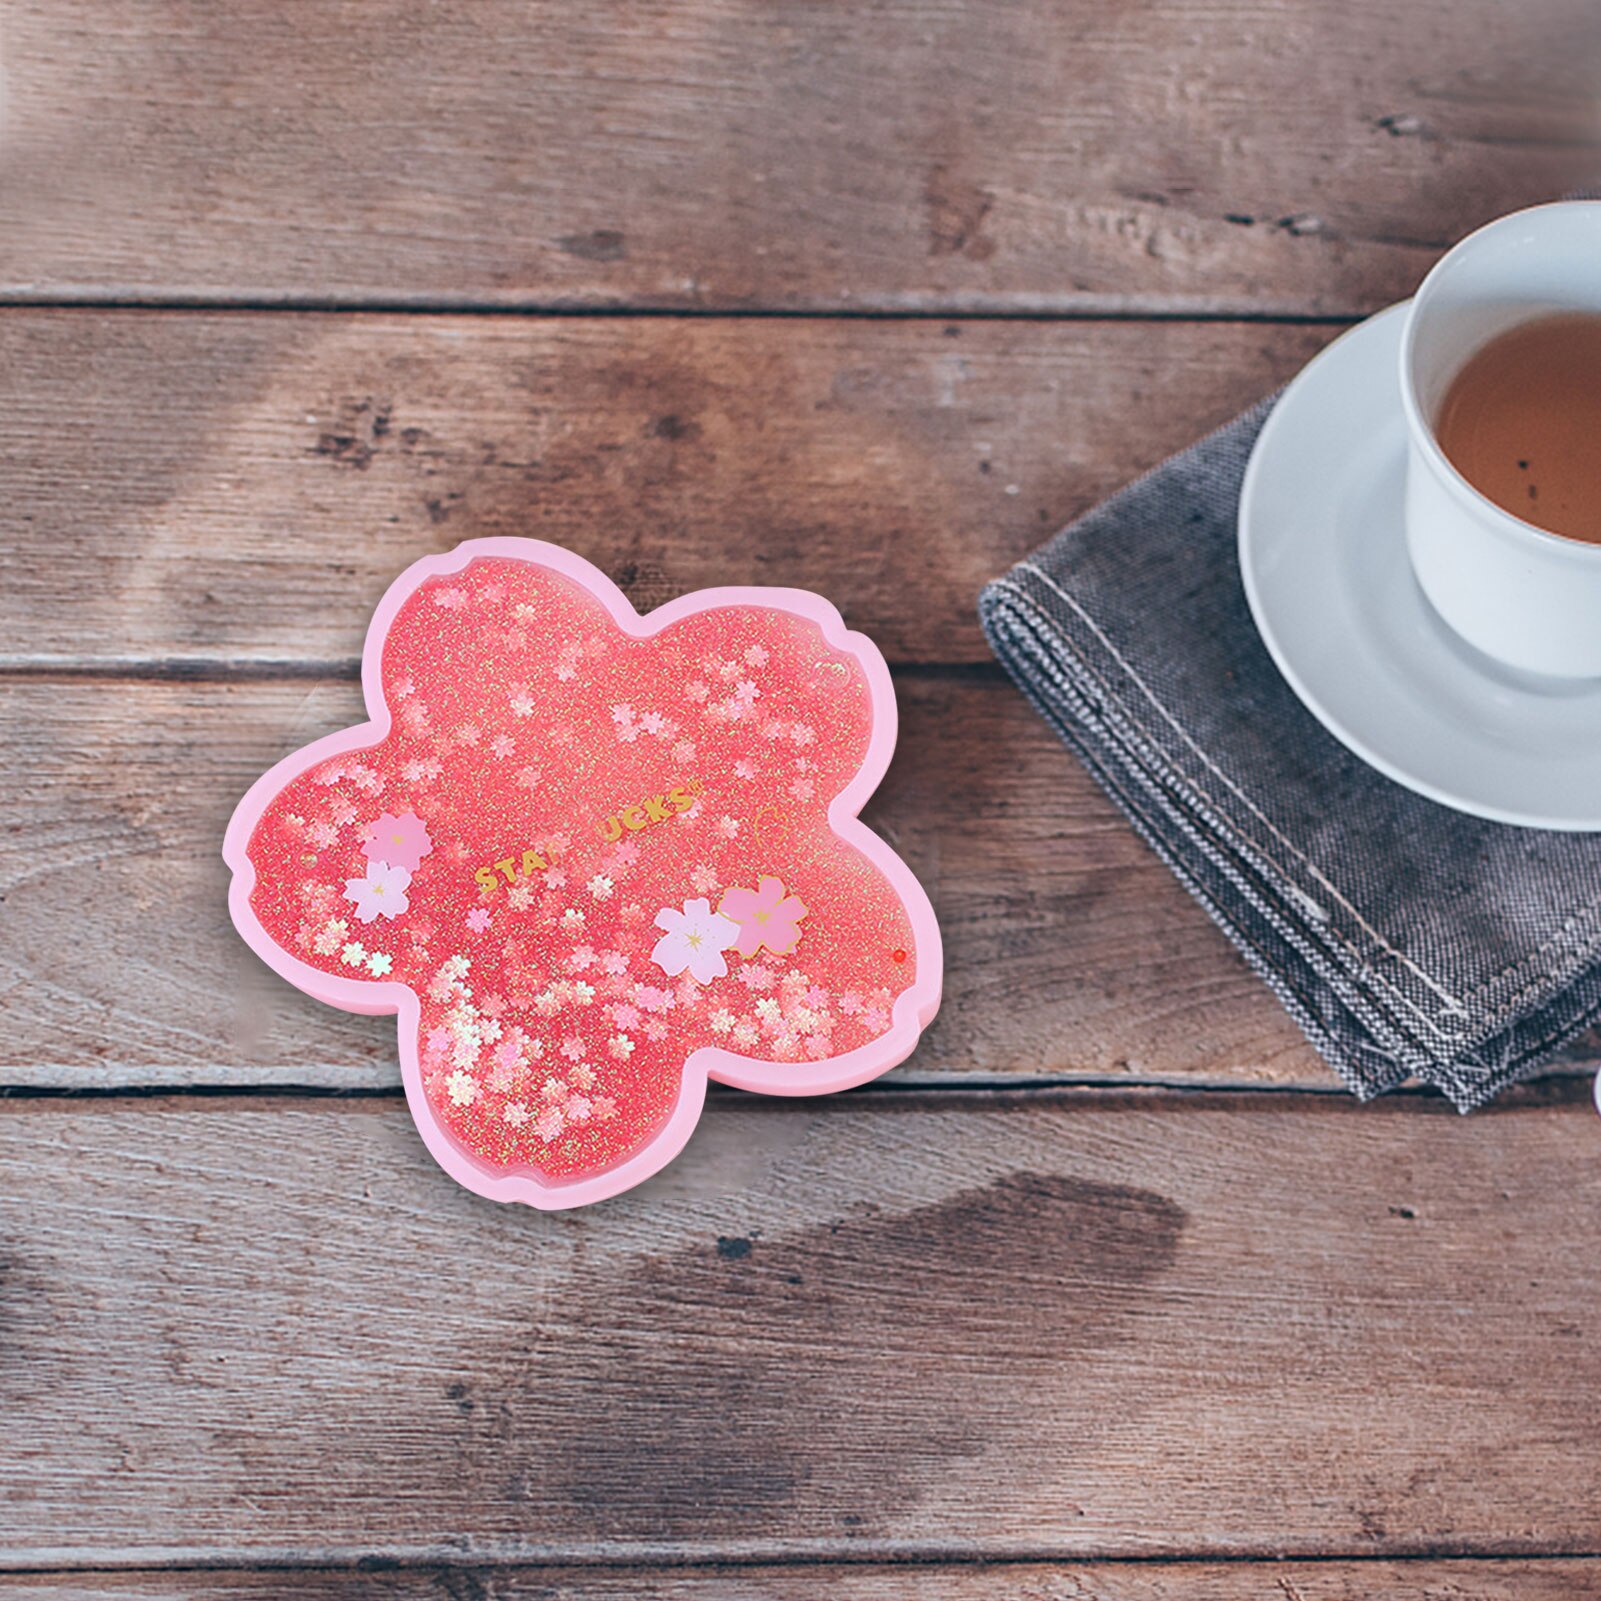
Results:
[913, 1009]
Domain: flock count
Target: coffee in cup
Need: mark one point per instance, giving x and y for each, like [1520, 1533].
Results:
[1499, 393]
[1521, 421]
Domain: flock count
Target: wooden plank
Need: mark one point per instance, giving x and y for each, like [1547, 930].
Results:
[1292, 155]
[1055, 1325]
[1071, 951]
[241, 488]
[1535, 1579]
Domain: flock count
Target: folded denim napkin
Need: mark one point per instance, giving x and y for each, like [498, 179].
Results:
[1405, 938]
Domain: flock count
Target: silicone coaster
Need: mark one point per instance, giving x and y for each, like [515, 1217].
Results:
[593, 859]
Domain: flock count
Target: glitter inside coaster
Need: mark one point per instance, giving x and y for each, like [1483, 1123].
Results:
[593, 859]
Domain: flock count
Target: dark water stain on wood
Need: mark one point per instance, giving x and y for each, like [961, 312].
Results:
[600, 244]
[742, 1381]
[356, 432]
[673, 427]
[37, 1313]
[956, 209]
[647, 584]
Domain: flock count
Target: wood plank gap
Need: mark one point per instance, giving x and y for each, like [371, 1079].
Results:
[1026, 309]
[47, 666]
[950, 1092]
[748, 1557]
[688, 1567]
[383, 1563]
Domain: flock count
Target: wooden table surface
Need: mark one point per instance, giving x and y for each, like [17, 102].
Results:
[1108, 1292]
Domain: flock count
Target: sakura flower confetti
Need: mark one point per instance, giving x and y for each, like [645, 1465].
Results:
[767, 918]
[400, 841]
[382, 893]
[695, 940]
[571, 849]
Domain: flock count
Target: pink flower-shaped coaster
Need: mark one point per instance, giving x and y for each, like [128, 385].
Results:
[593, 859]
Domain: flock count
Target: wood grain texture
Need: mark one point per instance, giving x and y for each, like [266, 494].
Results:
[242, 488]
[1304, 155]
[1427, 1579]
[1071, 951]
[881, 1325]
[856, 1348]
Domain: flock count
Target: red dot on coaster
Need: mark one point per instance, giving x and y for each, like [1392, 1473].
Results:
[897, 956]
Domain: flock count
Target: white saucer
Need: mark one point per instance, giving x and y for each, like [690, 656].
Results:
[1323, 556]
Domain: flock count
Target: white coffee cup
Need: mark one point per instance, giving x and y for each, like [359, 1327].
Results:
[1529, 598]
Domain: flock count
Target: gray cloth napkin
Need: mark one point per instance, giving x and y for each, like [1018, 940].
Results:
[1404, 938]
